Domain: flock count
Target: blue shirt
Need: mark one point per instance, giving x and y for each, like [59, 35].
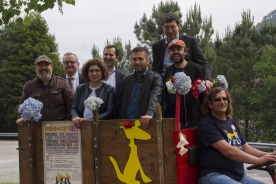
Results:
[133, 108]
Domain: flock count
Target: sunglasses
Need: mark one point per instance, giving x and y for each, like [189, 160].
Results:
[219, 99]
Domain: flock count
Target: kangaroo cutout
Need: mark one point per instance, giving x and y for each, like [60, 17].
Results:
[133, 164]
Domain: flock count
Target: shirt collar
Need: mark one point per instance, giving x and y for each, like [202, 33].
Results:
[75, 76]
[166, 40]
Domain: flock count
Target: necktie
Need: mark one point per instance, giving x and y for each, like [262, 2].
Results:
[70, 81]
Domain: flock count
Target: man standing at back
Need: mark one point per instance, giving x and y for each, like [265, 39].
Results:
[71, 65]
[160, 53]
[54, 92]
[110, 58]
[141, 90]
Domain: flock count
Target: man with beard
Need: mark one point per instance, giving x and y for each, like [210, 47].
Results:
[54, 92]
[141, 90]
[189, 106]
[110, 58]
[161, 60]
[71, 65]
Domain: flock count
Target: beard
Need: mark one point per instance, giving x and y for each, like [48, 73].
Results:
[44, 74]
[178, 60]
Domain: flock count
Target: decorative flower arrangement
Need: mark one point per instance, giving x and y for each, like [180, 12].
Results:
[220, 81]
[127, 124]
[30, 109]
[180, 83]
[198, 87]
[93, 103]
[181, 144]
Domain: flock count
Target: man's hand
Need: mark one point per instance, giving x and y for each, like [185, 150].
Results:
[208, 84]
[20, 122]
[77, 121]
[266, 158]
[145, 121]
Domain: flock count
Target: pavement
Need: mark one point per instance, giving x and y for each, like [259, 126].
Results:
[9, 165]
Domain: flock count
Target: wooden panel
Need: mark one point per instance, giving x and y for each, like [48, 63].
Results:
[25, 147]
[87, 143]
[169, 152]
[38, 150]
[114, 143]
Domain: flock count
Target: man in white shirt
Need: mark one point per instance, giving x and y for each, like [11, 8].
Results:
[110, 58]
[70, 65]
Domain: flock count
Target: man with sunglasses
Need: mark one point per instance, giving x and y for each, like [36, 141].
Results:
[223, 149]
[71, 65]
[160, 54]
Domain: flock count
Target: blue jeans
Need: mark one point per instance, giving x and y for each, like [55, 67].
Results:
[218, 178]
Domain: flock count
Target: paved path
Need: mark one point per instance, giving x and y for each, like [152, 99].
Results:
[9, 165]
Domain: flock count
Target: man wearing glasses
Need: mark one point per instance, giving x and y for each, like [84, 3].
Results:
[160, 53]
[70, 65]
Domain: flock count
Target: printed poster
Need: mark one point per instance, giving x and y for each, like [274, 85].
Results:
[62, 153]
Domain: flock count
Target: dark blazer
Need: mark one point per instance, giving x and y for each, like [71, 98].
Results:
[195, 55]
[105, 92]
[80, 79]
[119, 77]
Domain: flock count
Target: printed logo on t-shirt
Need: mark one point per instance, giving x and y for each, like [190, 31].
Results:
[233, 139]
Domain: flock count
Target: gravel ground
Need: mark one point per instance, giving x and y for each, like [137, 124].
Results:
[9, 165]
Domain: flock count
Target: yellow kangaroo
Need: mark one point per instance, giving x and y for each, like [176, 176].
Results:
[133, 164]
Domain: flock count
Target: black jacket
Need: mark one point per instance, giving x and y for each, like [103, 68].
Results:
[105, 92]
[195, 55]
[192, 104]
[119, 77]
[151, 93]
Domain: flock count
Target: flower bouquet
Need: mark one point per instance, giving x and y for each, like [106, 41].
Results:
[180, 83]
[30, 109]
[198, 87]
[220, 81]
[93, 103]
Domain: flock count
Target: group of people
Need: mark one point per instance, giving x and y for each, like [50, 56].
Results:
[135, 95]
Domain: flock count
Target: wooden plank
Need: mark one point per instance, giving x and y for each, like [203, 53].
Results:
[169, 151]
[38, 152]
[25, 148]
[159, 129]
[87, 142]
[97, 146]
[115, 143]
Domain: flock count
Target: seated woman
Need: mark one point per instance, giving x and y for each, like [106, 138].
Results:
[93, 71]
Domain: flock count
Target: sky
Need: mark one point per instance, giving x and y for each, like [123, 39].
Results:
[93, 22]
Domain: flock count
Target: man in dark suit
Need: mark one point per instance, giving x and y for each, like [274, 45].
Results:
[70, 65]
[110, 58]
[161, 59]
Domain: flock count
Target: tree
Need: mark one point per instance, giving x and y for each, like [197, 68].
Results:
[264, 101]
[14, 8]
[20, 45]
[149, 30]
[95, 52]
[237, 53]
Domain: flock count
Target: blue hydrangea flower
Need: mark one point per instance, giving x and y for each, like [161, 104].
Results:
[182, 83]
[30, 108]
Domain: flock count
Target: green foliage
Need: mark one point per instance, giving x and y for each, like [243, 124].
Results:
[12, 8]
[20, 45]
[95, 52]
[264, 102]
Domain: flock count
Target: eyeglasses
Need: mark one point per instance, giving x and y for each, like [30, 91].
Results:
[95, 71]
[219, 99]
[70, 62]
[170, 27]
